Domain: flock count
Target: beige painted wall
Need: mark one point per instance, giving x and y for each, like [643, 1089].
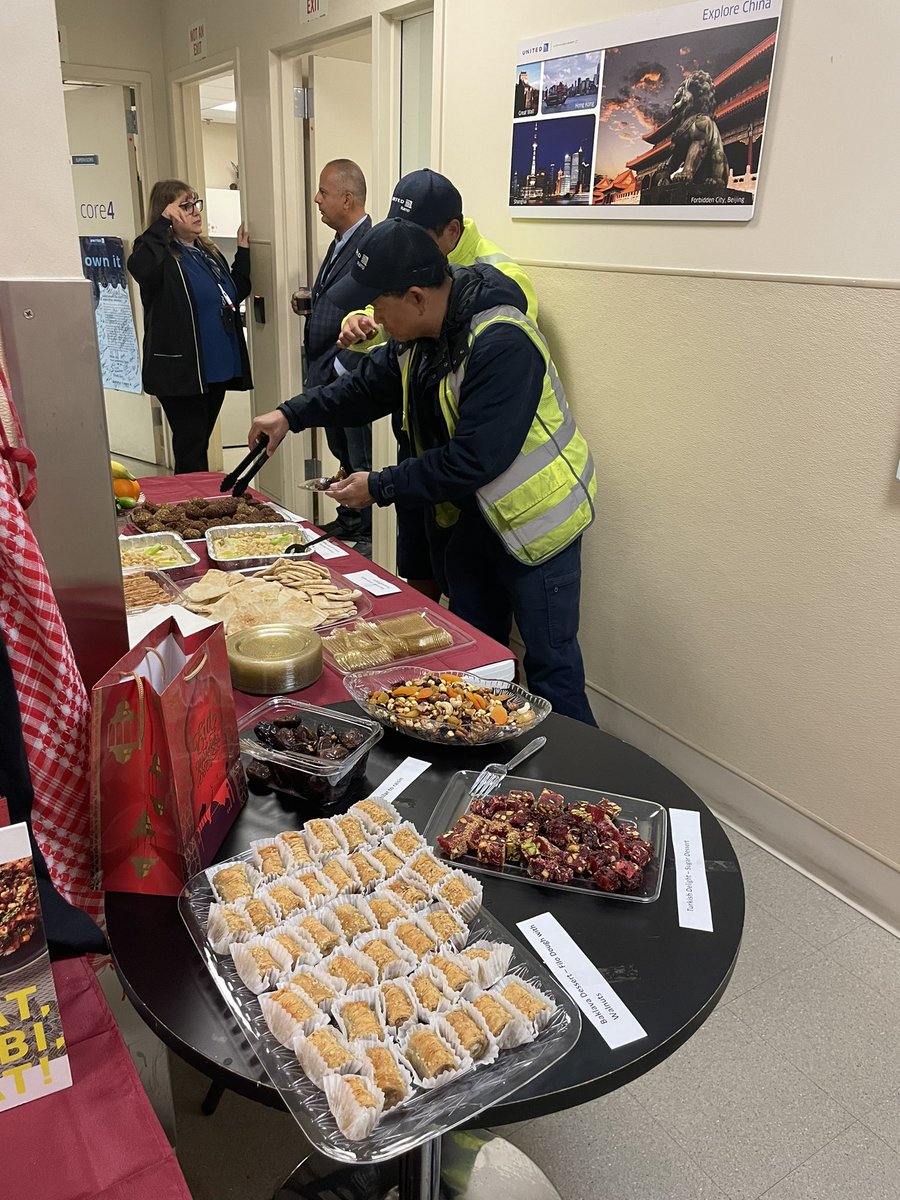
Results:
[35, 153]
[220, 150]
[742, 580]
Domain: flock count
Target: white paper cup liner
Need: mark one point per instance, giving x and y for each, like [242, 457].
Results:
[374, 1001]
[377, 824]
[382, 900]
[359, 959]
[403, 984]
[337, 986]
[354, 1120]
[428, 868]
[356, 839]
[391, 863]
[341, 863]
[404, 963]
[249, 872]
[492, 968]
[542, 1019]
[246, 966]
[315, 899]
[462, 1060]
[218, 932]
[409, 879]
[447, 1000]
[411, 840]
[361, 1050]
[467, 908]
[251, 905]
[284, 906]
[256, 859]
[324, 838]
[517, 1031]
[460, 935]
[419, 952]
[452, 959]
[315, 1066]
[283, 1027]
[443, 1026]
[348, 926]
[295, 859]
[311, 924]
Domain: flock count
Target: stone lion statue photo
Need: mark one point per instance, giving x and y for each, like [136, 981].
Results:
[698, 154]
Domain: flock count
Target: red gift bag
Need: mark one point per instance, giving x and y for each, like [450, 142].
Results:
[166, 775]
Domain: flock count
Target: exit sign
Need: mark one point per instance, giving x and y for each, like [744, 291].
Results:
[310, 9]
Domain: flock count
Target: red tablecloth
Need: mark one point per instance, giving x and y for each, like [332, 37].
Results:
[99, 1139]
[330, 688]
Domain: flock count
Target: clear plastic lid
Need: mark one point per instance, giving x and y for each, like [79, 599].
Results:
[281, 709]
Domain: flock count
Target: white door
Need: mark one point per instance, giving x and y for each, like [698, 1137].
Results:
[107, 204]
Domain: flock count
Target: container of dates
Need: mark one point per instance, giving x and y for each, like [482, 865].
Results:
[301, 750]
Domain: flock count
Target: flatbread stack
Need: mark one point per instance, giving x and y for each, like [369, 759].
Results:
[287, 593]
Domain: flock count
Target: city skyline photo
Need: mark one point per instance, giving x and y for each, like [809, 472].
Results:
[552, 161]
[571, 83]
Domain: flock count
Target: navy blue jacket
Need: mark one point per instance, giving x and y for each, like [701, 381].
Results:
[499, 397]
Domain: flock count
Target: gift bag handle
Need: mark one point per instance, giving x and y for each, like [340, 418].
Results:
[196, 671]
[140, 691]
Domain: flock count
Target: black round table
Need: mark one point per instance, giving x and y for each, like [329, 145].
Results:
[670, 978]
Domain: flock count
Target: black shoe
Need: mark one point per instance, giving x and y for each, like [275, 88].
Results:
[338, 529]
[364, 547]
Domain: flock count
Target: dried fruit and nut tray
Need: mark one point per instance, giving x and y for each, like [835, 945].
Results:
[386, 1005]
[554, 835]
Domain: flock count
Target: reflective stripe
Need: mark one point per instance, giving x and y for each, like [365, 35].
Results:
[493, 258]
[545, 523]
[526, 466]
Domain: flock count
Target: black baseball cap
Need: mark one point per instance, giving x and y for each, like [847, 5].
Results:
[393, 256]
[426, 199]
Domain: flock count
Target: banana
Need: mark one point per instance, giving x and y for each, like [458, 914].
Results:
[118, 471]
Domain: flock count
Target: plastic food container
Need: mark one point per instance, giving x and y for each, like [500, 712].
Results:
[361, 685]
[305, 776]
[173, 592]
[266, 659]
[286, 529]
[148, 540]
[651, 819]
[343, 630]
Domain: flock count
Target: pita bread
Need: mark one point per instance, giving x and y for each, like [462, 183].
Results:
[212, 585]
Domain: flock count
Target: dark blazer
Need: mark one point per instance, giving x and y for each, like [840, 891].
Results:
[173, 356]
[324, 322]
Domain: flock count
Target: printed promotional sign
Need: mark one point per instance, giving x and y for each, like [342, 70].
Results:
[658, 116]
[103, 262]
[33, 1058]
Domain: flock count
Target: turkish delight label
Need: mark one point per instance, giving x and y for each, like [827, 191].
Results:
[400, 779]
[691, 885]
[33, 1057]
[584, 982]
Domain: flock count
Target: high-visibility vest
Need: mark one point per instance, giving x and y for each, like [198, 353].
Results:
[544, 499]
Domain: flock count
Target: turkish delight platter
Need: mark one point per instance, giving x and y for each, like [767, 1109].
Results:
[386, 1004]
[554, 835]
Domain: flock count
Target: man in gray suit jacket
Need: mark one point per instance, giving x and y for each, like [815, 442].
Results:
[341, 201]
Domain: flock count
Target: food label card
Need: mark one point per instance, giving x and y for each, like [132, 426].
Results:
[400, 779]
[330, 550]
[583, 981]
[370, 582]
[691, 886]
[33, 1057]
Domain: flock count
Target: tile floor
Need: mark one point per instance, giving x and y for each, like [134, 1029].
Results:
[790, 1091]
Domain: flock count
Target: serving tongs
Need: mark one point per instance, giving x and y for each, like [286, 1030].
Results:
[255, 460]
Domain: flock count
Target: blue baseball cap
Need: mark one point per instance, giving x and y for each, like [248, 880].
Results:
[427, 199]
[394, 256]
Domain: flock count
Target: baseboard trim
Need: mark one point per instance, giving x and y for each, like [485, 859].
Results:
[861, 880]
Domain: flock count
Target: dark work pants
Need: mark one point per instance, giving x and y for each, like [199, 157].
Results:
[352, 447]
[192, 420]
[488, 587]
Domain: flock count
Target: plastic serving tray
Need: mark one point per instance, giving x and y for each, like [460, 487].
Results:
[459, 636]
[650, 818]
[428, 1114]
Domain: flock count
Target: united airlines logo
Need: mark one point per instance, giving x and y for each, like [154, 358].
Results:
[403, 202]
[363, 260]
[541, 48]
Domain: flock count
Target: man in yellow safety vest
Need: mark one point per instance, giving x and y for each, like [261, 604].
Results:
[496, 454]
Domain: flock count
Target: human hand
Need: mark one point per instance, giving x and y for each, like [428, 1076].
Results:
[243, 236]
[182, 222]
[358, 328]
[353, 492]
[274, 425]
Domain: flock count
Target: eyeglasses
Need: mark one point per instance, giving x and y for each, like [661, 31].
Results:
[192, 206]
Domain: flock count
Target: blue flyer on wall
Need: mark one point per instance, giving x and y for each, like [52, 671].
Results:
[103, 262]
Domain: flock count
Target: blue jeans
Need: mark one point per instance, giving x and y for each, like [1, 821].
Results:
[488, 587]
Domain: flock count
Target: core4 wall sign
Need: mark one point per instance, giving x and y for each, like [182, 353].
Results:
[658, 116]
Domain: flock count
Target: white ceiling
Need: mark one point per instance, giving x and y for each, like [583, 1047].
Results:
[219, 90]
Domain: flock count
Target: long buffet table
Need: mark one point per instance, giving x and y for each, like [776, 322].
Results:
[485, 656]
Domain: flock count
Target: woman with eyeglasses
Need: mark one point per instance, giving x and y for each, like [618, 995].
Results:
[194, 348]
